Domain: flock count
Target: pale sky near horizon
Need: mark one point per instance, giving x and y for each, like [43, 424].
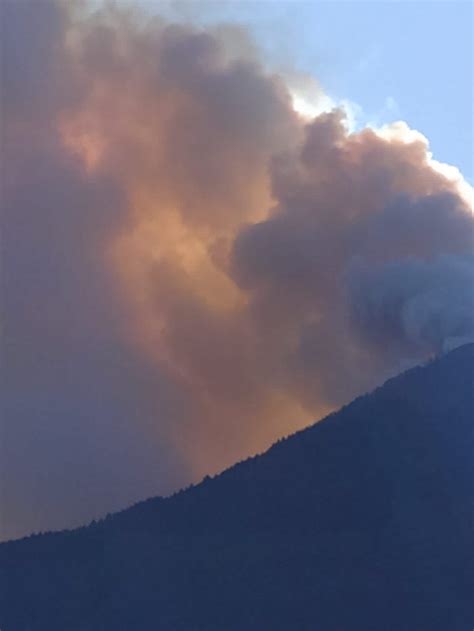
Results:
[394, 60]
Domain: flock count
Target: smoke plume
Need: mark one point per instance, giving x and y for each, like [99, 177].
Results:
[191, 268]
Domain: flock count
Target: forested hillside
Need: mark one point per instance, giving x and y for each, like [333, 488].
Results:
[362, 522]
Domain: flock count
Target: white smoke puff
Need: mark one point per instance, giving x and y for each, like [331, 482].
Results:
[414, 303]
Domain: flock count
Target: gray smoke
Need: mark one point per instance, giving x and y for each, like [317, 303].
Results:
[415, 304]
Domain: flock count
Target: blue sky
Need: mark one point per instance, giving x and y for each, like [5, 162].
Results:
[396, 60]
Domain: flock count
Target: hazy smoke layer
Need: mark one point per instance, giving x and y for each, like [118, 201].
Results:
[190, 268]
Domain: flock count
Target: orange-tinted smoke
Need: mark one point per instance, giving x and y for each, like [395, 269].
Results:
[207, 145]
[214, 260]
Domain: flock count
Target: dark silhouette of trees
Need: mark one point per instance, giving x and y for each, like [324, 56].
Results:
[361, 522]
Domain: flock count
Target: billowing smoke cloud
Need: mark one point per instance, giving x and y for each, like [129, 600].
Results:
[191, 269]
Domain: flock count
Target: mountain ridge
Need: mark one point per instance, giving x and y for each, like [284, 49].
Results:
[372, 507]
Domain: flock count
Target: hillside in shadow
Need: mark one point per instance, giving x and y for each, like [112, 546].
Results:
[362, 522]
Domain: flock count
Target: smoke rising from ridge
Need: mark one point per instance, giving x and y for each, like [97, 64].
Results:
[415, 303]
[191, 268]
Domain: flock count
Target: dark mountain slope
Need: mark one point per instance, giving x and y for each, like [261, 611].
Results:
[363, 522]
